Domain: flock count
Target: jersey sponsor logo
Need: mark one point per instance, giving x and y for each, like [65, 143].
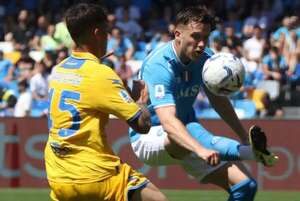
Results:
[66, 77]
[125, 96]
[188, 92]
[159, 91]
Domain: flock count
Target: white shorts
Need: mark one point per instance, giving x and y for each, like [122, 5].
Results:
[150, 149]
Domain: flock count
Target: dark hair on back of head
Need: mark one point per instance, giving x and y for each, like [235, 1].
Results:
[82, 17]
[23, 83]
[199, 14]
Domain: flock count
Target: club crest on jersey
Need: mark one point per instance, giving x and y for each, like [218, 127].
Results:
[125, 96]
[159, 91]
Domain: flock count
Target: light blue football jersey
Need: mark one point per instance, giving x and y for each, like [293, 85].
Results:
[170, 82]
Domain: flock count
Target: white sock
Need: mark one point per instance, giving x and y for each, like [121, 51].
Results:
[246, 152]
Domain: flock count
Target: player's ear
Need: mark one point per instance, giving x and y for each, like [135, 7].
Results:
[98, 31]
[177, 33]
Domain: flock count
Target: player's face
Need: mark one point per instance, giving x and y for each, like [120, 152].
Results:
[193, 38]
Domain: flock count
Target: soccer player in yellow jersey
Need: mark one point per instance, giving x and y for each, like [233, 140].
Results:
[80, 164]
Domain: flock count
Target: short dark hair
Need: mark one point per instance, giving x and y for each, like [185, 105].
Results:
[23, 83]
[274, 49]
[257, 26]
[82, 17]
[199, 14]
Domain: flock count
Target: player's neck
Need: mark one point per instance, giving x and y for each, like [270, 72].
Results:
[89, 49]
[180, 53]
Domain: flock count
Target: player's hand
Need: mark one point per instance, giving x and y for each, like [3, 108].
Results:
[211, 157]
[139, 92]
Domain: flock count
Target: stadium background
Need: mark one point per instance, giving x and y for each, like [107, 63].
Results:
[33, 39]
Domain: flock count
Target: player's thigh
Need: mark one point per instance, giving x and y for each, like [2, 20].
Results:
[148, 193]
[228, 175]
[78, 192]
[118, 187]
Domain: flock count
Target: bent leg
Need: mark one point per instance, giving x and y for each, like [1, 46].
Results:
[229, 149]
[148, 193]
[236, 180]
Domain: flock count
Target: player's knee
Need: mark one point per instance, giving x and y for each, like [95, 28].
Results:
[244, 191]
[224, 143]
[149, 193]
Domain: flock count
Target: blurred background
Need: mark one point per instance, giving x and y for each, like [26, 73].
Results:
[264, 34]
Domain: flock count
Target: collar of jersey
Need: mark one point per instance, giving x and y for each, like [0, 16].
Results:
[84, 55]
[176, 56]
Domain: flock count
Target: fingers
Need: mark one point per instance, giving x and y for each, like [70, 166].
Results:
[213, 159]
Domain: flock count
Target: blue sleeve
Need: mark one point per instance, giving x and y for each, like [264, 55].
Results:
[128, 43]
[159, 80]
[266, 60]
[283, 64]
[109, 46]
[276, 34]
[279, 31]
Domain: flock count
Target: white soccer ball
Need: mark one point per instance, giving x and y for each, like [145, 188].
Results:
[223, 74]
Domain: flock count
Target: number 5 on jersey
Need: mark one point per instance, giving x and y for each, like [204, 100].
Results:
[63, 106]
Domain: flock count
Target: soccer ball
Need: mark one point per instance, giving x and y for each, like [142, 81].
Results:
[223, 74]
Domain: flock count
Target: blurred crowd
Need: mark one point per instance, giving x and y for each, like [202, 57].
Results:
[264, 34]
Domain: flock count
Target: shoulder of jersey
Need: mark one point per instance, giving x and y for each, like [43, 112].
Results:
[161, 51]
[97, 66]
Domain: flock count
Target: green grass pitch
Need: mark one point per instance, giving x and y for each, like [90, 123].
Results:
[30, 194]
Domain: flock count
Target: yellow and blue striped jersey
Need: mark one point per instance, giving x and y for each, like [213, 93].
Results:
[82, 94]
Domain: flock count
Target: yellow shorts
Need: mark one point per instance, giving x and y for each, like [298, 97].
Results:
[115, 188]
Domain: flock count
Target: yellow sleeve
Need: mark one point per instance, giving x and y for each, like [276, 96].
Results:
[108, 95]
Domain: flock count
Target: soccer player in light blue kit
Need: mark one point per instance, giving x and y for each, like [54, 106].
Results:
[172, 76]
